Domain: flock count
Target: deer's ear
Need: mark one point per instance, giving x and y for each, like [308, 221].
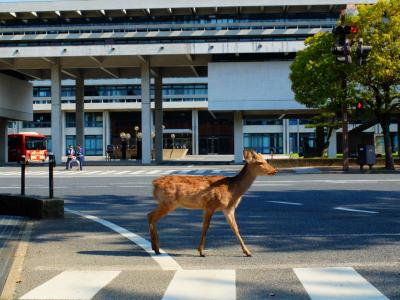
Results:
[248, 155]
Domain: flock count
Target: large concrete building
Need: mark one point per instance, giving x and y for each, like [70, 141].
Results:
[214, 73]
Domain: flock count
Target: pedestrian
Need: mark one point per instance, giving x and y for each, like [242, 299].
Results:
[272, 152]
[80, 155]
[70, 156]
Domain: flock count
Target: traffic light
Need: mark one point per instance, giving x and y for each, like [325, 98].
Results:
[343, 52]
[340, 33]
[360, 106]
[362, 52]
[342, 49]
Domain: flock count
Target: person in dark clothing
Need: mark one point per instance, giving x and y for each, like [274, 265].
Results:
[80, 155]
[123, 149]
[70, 156]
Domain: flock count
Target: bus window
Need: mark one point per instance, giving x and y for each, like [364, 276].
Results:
[34, 143]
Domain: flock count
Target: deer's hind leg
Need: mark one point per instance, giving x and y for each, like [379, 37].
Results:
[208, 213]
[161, 211]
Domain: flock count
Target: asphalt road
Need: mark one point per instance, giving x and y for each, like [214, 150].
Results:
[289, 221]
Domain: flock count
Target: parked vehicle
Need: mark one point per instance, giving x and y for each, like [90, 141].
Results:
[31, 144]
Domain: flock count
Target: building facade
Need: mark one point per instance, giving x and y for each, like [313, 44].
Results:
[212, 74]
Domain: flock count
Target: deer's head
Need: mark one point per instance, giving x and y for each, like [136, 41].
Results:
[257, 163]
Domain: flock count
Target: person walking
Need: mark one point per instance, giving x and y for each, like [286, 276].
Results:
[80, 155]
[70, 156]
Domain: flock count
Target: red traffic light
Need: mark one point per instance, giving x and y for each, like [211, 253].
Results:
[360, 105]
[354, 29]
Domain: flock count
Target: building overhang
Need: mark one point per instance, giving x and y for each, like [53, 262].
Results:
[122, 8]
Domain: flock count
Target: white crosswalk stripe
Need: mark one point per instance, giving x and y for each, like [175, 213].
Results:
[116, 173]
[342, 283]
[73, 285]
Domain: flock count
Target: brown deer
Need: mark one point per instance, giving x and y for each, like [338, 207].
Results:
[209, 193]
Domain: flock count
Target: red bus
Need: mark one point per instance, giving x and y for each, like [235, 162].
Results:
[31, 144]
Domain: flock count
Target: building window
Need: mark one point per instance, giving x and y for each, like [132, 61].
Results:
[93, 119]
[93, 145]
[40, 120]
[68, 91]
[264, 142]
[262, 121]
[70, 120]
[40, 91]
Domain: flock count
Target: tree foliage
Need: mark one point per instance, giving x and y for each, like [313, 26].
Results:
[317, 79]
[379, 79]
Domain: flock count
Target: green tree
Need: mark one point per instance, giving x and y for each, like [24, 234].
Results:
[379, 78]
[320, 82]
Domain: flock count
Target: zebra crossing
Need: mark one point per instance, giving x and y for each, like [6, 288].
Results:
[118, 173]
[341, 283]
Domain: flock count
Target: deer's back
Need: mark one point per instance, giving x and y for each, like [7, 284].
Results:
[190, 191]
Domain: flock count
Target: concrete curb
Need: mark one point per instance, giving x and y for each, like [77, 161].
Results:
[30, 206]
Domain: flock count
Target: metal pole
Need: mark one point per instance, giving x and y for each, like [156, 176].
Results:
[51, 180]
[23, 175]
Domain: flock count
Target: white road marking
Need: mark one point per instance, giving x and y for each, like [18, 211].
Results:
[167, 172]
[184, 171]
[216, 171]
[164, 260]
[202, 284]
[283, 202]
[73, 285]
[154, 172]
[356, 210]
[137, 172]
[200, 171]
[123, 172]
[342, 283]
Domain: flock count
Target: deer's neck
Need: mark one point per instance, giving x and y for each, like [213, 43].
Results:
[242, 181]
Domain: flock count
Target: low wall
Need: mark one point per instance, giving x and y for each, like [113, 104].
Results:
[32, 207]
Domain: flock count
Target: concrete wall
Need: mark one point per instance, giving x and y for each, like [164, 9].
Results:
[250, 86]
[16, 100]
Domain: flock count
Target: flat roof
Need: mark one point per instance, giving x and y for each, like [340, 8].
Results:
[96, 5]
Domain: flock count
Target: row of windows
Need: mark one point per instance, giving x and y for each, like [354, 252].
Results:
[124, 90]
[43, 120]
[264, 121]
[175, 19]
[95, 119]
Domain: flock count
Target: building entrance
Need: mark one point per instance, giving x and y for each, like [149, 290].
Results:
[212, 143]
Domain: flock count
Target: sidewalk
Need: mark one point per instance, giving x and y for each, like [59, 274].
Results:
[11, 228]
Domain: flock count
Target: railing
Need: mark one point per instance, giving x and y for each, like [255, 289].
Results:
[123, 99]
[126, 27]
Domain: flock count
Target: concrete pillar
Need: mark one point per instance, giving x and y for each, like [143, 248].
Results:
[146, 112]
[332, 149]
[80, 111]
[286, 136]
[56, 122]
[238, 136]
[3, 141]
[158, 116]
[106, 130]
[195, 132]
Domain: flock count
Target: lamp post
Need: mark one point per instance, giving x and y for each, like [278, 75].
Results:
[123, 137]
[173, 140]
[136, 135]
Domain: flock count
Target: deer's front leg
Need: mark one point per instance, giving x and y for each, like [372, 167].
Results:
[206, 223]
[230, 217]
